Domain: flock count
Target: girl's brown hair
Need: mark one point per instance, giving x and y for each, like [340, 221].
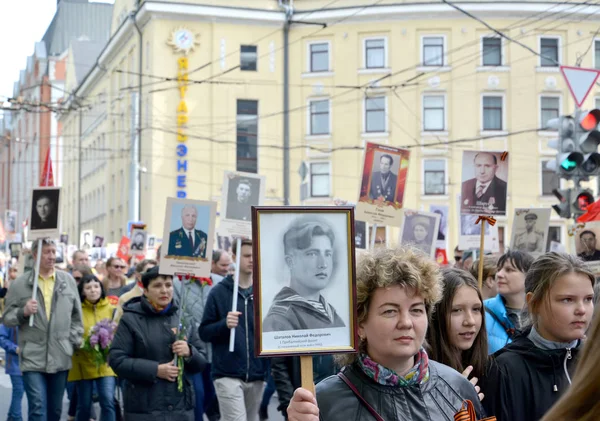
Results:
[490, 267]
[383, 268]
[440, 347]
[544, 272]
[581, 402]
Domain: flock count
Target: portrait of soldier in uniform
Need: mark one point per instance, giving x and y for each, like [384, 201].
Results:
[383, 182]
[188, 241]
[308, 246]
[530, 239]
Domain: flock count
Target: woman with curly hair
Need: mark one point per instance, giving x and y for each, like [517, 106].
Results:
[392, 377]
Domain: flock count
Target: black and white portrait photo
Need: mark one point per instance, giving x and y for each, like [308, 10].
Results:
[420, 230]
[240, 192]
[443, 212]
[98, 241]
[138, 241]
[87, 239]
[151, 241]
[10, 221]
[45, 203]
[384, 177]
[15, 249]
[484, 183]
[360, 234]
[189, 233]
[587, 242]
[305, 277]
[530, 230]
[64, 238]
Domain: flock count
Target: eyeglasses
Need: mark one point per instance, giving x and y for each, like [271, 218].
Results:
[119, 267]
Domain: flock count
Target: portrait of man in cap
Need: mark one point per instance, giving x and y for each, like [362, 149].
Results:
[188, 241]
[309, 250]
[530, 239]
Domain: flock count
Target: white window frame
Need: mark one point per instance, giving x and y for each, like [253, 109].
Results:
[308, 57]
[256, 61]
[541, 176]
[539, 45]
[596, 39]
[560, 111]
[443, 132]
[444, 48]
[309, 181]
[364, 113]
[309, 122]
[385, 53]
[503, 130]
[502, 51]
[446, 177]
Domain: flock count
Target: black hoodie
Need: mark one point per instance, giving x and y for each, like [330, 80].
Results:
[523, 381]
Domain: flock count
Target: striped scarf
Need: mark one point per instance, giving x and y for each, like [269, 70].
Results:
[419, 374]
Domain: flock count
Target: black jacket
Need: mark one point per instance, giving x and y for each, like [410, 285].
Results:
[521, 380]
[143, 341]
[287, 376]
[240, 364]
[438, 399]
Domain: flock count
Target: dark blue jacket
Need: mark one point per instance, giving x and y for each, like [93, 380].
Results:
[9, 341]
[240, 364]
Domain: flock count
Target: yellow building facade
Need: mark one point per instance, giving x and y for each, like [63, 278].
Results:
[421, 75]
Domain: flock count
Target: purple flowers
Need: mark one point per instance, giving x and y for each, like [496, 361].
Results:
[99, 340]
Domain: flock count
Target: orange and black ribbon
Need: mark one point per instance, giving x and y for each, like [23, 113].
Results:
[504, 156]
[467, 413]
[490, 220]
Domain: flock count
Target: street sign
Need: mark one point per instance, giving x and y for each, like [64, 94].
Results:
[580, 81]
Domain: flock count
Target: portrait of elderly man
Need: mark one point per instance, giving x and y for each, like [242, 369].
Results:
[383, 182]
[309, 254]
[486, 192]
[530, 239]
[188, 241]
[240, 201]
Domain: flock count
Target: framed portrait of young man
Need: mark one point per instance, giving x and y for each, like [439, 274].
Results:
[585, 242]
[188, 237]
[384, 174]
[44, 214]
[138, 241]
[86, 241]
[240, 192]
[420, 230]
[304, 280]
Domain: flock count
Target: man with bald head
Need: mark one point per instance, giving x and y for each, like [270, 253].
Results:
[188, 241]
[486, 193]
[80, 257]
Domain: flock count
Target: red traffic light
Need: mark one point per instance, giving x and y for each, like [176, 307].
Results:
[584, 200]
[590, 120]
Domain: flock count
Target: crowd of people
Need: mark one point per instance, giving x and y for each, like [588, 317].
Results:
[520, 348]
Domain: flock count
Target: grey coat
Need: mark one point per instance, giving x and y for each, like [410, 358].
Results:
[47, 347]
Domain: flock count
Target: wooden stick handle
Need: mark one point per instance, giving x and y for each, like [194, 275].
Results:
[481, 251]
[306, 371]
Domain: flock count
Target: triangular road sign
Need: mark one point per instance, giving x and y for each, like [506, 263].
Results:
[580, 81]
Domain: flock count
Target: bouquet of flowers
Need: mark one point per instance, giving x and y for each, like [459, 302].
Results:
[99, 340]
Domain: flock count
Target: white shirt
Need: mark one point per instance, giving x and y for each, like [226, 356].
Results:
[484, 185]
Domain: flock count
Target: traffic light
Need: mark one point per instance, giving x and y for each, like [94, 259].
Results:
[589, 139]
[567, 159]
[580, 200]
[563, 209]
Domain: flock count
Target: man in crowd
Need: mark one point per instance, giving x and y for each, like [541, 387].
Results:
[46, 360]
[238, 376]
[220, 264]
[80, 257]
[134, 289]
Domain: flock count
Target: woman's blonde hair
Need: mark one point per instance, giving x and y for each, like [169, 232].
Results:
[581, 402]
[403, 266]
[544, 272]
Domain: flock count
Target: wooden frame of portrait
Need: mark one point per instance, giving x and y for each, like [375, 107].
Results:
[177, 255]
[342, 336]
[52, 232]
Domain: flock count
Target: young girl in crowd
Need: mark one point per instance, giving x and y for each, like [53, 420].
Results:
[95, 307]
[503, 312]
[392, 377]
[528, 376]
[581, 402]
[457, 335]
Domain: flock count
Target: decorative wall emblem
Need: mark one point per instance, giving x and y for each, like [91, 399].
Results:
[183, 40]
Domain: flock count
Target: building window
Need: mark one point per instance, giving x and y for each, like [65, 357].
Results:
[434, 113]
[549, 52]
[319, 117]
[375, 53]
[320, 179]
[375, 114]
[554, 234]
[550, 108]
[492, 51]
[248, 58]
[247, 133]
[433, 51]
[597, 54]
[501, 236]
[319, 57]
[597, 103]
[434, 176]
[492, 113]
[550, 180]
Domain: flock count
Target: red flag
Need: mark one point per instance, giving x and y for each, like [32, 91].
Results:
[123, 251]
[592, 213]
[47, 177]
[440, 257]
